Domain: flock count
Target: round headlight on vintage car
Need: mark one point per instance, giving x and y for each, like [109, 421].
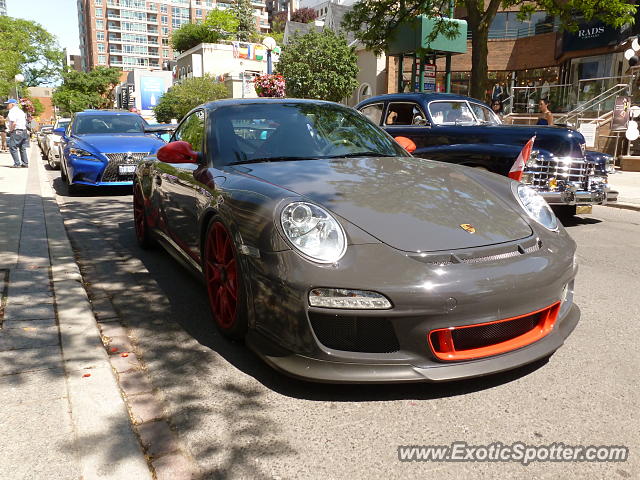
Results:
[536, 207]
[314, 232]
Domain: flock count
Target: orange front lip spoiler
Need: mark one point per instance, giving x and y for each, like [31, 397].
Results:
[443, 340]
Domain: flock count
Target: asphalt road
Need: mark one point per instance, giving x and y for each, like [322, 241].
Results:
[240, 419]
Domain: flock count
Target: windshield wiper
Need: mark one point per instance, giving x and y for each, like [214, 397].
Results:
[359, 154]
[273, 159]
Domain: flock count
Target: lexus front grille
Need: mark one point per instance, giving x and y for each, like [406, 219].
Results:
[111, 172]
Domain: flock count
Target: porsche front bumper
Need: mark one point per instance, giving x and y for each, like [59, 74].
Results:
[327, 371]
[426, 297]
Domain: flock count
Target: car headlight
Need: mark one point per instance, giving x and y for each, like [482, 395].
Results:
[536, 207]
[313, 232]
[79, 152]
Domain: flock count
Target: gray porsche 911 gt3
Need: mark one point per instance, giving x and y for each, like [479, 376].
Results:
[339, 257]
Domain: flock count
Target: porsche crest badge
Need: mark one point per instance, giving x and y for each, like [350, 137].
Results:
[467, 227]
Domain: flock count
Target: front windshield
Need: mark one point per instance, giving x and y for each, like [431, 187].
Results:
[288, 131]
[460, 113]
[97, 124]
[63, 124]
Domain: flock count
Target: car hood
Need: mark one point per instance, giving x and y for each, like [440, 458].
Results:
[560, 141]
[408, 203]
[134, 143]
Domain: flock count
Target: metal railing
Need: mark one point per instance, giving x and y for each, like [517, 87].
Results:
[596, 103]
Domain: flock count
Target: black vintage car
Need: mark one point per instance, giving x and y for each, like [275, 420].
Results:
[462, 130]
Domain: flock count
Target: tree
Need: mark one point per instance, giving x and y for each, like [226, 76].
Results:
[278, 22]
[190, 93]
[243, 11]
[222, 23]
[304, 15]
[27, 48]
[319, 65]
[82, 90]
[374, 22]
[219, 25]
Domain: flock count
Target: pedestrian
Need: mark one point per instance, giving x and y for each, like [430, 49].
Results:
[496, 106]
[18, 135]
[547, 117]
[3, 133]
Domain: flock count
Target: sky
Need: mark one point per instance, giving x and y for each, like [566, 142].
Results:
[59, 17]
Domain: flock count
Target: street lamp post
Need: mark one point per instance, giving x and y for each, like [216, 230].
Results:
[269, 43]
[19, 78]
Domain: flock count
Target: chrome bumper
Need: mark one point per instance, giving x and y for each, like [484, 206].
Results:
[577, 197]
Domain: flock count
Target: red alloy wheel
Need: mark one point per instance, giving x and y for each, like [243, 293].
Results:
[221, 276]
[138, 215]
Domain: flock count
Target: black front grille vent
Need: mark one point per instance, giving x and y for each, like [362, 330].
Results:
[355, 334]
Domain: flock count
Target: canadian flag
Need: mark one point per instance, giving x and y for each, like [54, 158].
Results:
[521, 162]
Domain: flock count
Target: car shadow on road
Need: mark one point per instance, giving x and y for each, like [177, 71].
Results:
[576, 221]
[62, 189]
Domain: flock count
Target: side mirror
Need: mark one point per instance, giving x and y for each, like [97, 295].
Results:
[177, 152]
[60, 131]
[406, 143]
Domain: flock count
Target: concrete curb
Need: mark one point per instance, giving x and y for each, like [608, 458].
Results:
[625, 206]
[107, 445]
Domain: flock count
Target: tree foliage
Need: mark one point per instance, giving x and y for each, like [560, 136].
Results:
[304, 15]
[374, 22]
[243, 11]
[190, 93]
[278, 22]
[319, 65]
[219, 25]
[27, 48]
[82, 90]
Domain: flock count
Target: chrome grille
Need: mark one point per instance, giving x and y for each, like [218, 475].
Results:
[572, 171]
[111, 172]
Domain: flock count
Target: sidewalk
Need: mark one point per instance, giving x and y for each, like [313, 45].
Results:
[63, 415]
[628, 186]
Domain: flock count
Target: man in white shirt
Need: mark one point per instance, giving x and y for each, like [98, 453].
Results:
[18, 134]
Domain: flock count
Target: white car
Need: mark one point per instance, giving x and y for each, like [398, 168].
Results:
[53, 148]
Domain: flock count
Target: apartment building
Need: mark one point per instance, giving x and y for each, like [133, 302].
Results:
[3, 7]
[135, 33]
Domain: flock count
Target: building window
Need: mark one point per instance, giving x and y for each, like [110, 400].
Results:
[99, 24]
[198, 12]
[100, 36]
[165, 41]
[165, 52]
[102, 59]
[99, 12]
[164, 20]
[98, 2]
[152, 7]
[165, 31]
[163, 9]
[101, 48]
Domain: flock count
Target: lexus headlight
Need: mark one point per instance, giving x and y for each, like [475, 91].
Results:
[79, 152]
[314, 232]
[536, 207]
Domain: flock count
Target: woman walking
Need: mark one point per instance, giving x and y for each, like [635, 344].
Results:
[546, 117]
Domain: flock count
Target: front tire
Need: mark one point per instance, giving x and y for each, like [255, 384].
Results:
[63, 172]
[224, 281]
[143, 236]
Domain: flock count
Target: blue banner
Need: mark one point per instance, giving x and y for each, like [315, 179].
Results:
[151, 89]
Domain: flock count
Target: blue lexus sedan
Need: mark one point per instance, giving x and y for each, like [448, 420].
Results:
[103, 147]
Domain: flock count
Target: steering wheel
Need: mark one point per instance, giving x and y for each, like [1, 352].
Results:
[340, 142]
